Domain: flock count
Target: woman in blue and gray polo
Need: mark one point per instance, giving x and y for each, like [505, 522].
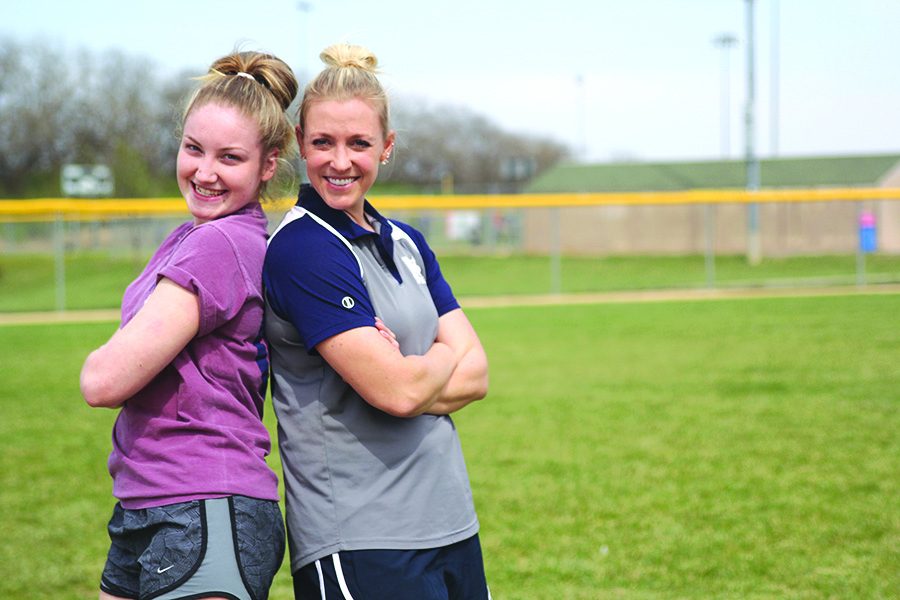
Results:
[370, 354]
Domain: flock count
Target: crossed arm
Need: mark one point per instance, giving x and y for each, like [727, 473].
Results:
[450, 375]
[137, 352]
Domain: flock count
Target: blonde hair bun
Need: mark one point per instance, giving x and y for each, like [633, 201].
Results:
[267, 70]
[260, 86]
[350, 72]
[349, 55]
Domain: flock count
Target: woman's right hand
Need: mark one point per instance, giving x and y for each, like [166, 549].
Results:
[402, 386]
[386, 333]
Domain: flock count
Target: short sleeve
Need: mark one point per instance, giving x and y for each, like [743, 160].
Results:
[441, 292]
[313, 281]
[206, 263]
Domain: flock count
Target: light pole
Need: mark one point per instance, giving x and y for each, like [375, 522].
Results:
[774, 66]
[725, 42]
[754, 254]
[305, 8]
[580, 118]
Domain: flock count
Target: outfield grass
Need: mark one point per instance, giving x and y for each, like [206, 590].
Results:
[710, 449]
[97, 280]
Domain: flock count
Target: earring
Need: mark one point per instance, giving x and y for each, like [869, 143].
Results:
[386, 158]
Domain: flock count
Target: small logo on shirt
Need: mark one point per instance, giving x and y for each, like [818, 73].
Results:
[348, 302]
[414, 268]
[158, 570]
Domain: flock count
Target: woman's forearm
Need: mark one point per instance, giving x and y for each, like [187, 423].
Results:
[468, 383]
[135, 354]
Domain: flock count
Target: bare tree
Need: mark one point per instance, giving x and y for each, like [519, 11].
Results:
[61, 107]
[34, 97]
[128, 120]
[439, 141]
[58, 107]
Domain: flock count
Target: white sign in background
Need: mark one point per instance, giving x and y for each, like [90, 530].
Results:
[87, 180]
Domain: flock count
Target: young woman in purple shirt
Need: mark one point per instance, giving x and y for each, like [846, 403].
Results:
[197, 513]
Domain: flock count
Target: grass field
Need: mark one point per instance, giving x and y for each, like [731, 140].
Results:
[96, 280]
[707, 449]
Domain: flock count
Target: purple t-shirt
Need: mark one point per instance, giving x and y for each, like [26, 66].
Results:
[195, 431]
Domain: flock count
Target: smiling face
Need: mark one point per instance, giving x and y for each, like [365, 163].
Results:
[342, 142]
[221, 165]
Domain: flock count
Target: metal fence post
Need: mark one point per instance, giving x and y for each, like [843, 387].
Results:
[709, 234]
[555, 252]
[59, 260]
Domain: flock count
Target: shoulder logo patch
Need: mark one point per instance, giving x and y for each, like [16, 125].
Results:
[348, 302]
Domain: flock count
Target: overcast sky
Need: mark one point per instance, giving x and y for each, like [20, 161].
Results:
[613, 79]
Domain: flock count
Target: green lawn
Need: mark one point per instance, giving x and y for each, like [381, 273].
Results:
[97, 280]
[708, 449]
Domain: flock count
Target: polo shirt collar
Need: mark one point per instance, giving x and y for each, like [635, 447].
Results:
[310, 199]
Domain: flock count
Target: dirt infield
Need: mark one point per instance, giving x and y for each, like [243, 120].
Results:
[670, 295]
[112, 315]
[67, 316]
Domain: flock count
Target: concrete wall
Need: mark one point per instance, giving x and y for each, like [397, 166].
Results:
[887, 215]
[785, 229]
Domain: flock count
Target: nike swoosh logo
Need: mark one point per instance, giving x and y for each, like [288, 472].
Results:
[158, 570]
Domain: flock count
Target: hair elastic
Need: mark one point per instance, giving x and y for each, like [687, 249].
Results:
[247, 75]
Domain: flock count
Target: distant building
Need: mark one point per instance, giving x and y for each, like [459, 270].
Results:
[785, 229]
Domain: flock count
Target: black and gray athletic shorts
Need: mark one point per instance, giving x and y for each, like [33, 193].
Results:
[230, 547]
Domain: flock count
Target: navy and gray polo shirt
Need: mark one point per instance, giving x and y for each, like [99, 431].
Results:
[355, 477]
